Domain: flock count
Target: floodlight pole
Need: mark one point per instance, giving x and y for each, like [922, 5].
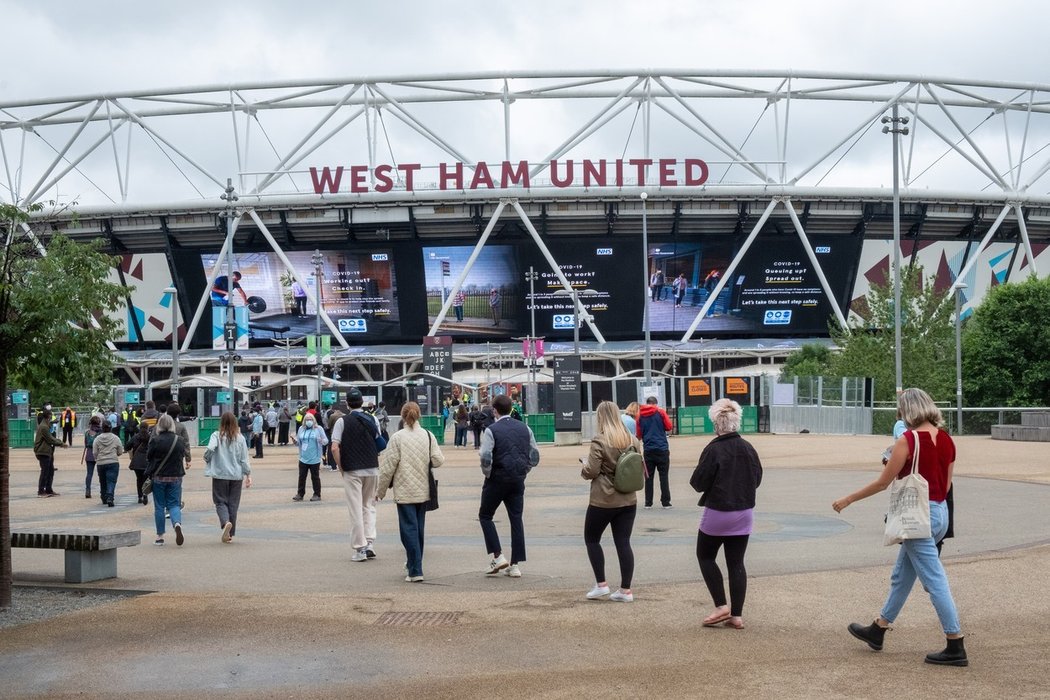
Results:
[317, 259]
[647, 361]
[896, 129]
[533, 405]
[174, 294]
[230, 196]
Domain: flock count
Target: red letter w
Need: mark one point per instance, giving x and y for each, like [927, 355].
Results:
[326, 181]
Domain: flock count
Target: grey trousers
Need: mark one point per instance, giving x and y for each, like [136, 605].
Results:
[226, 495]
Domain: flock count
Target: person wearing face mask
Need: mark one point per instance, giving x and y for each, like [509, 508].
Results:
[311, 440]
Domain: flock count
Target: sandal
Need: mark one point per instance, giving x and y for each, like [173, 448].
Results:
[715, 618]
[736, 623]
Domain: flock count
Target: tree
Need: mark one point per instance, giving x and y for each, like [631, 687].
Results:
[927, 340]
[1006, 347]
[811, 360]
[47, 338]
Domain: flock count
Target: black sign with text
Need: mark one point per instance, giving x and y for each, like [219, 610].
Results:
[437, 356]
[567, 393]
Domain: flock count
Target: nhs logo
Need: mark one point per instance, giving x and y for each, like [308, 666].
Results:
[822, 249]
[777, 317]
[563, 321]
[603, 251]
[353, 325]
[379, 257]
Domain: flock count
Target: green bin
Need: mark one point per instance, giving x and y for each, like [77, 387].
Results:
[542, 425]
[205, 427]
[693, 420]
[436, 425]
[21, 432]
[749, 422]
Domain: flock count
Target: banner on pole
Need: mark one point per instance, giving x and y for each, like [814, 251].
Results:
[567, 415]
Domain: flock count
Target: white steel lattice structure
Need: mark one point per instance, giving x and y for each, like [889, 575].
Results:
[802, 150]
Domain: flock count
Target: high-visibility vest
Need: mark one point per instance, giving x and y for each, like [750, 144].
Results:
[68, 418]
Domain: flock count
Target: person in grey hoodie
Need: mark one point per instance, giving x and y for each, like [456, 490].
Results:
[107, 448]
[227, 464]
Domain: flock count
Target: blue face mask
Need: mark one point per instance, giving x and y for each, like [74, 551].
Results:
[308, 424]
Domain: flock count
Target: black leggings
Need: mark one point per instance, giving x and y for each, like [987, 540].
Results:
[622, 521]
[735, 546]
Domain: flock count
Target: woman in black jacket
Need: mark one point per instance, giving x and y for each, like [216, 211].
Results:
[166, 468]
[728, 474]
[139, 447]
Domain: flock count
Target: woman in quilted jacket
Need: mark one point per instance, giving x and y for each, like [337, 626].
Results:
[404, 466]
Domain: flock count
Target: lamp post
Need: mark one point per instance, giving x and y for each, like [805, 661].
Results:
[895, 126]
[532, 405]
[958, 358]
[174, 293]
[647, 361]
[317, 259]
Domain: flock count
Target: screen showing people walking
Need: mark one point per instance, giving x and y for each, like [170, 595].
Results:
[358, 292]
[487, 304]
[773, 290]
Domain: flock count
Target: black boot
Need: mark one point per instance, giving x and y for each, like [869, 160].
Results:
[872, 634]
[953, 655]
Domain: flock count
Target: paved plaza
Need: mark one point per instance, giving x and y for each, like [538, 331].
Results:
[283, 612]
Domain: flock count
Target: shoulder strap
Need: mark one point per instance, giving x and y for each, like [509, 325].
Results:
[915, 452]
[161, 463]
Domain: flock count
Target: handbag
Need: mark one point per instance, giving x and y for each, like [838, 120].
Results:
[147, 484]
[380, 441]
[909, 514]
[432, 502]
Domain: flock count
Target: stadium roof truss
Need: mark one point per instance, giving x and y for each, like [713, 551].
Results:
[775, 138]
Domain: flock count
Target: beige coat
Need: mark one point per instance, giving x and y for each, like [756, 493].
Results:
[403, 465]
[599, 470]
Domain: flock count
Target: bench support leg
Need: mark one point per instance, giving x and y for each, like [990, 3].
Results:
[82, 567]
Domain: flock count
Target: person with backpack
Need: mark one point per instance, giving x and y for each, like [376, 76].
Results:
[477, 424]
[94, 429]
[614, 468]
[728, 475]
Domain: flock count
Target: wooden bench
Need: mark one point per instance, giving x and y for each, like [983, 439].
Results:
[91, 555]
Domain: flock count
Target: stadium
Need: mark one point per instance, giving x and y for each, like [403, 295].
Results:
[727, 216]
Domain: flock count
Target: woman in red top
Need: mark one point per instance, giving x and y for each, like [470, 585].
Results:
[918, 558]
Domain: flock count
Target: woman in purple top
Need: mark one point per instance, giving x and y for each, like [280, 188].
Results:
[728, 474]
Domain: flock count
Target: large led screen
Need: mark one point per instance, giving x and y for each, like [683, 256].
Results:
[606, 275]
[358, 292]
[774, 290]
[488, 304]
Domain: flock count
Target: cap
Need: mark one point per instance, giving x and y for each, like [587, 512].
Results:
[354, 395]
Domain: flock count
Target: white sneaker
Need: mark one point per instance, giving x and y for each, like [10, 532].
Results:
[513, 571]
[497, 565]
[620, 597]
[597, 592]
[413, 579]
[360, 555]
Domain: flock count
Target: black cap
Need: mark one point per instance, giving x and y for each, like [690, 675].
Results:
[354, 399]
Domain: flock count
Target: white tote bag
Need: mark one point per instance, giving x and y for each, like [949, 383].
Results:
[909, 514]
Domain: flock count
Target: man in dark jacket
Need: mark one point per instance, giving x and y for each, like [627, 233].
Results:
[508, 453]
[652, 428]
[357, 457]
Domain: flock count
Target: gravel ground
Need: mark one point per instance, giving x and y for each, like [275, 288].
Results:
[32, 604]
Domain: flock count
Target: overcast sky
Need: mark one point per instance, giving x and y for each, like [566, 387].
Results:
[60, 48]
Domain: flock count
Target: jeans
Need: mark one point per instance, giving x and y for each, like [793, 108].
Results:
[226, 495]
[461, 436]
[411, 518]
[90, 475]
[459, 312]
[918, 558]
[360, 500]
[314, 470]
[658, 461]
[166, 495]
[110, 472]
[622, 521]
[512, 495]
[47, 474]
